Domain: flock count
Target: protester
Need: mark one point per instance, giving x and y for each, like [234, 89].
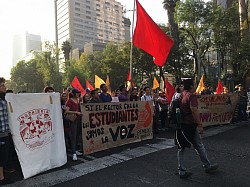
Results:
[147, 96]
[66, 90]
[73, 107]
[163, 107]
[190, 128]
[104, 95]
[175, 98]
[124, 94]
[243, 103]
[66, 124]
[49, 89]
[87, 97]
[207, 90]
[225, 90]
[134, 96]
[4, 132]
[95, 97]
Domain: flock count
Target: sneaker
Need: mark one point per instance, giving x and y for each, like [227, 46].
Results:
[186, 175]
[74, 157]
[212, 168]
[78, 153]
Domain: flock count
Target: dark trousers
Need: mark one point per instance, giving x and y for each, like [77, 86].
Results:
[164, 118]
[74, 134]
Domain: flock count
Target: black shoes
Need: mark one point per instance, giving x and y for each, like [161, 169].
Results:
[186, 175]
[212, 168]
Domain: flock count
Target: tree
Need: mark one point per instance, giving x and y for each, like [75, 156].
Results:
[194, 17]
[48, 65]
[66, 48]
[25, 77]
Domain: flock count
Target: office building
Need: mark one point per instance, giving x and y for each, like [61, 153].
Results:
[90, 21]
[23, 44]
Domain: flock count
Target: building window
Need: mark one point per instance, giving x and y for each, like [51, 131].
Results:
[77, 14]
[87, 7]
[88, 12]
[98, 15]
[88, 17]
[77, 9]
[76, 3]
[88, 2]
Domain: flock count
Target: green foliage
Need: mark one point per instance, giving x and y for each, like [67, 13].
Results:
[25, 77]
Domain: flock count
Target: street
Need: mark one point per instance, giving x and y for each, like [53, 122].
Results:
[153, 163]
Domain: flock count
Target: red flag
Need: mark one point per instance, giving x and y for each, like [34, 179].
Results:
[219, 88]
[76, 84]
[170, 90]
[89, 86]
[129, 81]
[149, 37]
[129, 76]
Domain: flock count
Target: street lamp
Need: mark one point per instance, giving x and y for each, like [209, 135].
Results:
[198, 56]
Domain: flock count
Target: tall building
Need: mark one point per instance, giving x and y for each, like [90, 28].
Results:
[90, 21]
[23, 44]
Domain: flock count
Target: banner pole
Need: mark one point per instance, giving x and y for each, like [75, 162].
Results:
[131, 47]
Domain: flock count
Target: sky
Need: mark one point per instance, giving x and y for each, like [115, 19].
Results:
[37, 17]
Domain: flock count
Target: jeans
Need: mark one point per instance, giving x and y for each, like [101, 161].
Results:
[200, 149]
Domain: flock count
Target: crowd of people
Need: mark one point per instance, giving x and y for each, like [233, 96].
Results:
[162, 118]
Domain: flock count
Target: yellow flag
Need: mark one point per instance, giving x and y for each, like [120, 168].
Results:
[155, 84]
[98, 82]
[201, 85]
[108, 85]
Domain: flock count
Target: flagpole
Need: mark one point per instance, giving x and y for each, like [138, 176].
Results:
[131, 47]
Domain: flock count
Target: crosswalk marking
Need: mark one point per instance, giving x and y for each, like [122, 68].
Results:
[95, 164]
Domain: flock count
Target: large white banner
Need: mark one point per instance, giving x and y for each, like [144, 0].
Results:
[37, 130]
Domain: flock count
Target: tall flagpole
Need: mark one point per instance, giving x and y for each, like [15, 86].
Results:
[131, 47]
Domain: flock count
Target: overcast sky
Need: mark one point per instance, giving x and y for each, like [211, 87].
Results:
[37, 17]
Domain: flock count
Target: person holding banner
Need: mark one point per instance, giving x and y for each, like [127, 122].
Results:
[105, 96]
[73, 108]
[4, 132]
[124, 94]
[188, 133]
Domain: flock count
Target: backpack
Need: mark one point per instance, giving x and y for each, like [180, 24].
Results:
[175, 104]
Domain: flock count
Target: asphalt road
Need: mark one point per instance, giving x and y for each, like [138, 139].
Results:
[153, 163]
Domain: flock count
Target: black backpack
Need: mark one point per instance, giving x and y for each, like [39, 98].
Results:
[172, 108]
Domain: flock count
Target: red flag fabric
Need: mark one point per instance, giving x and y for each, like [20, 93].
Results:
[89, 86]
[76, 84]
[219, 88]
[129, 76]
[170, 90]
[149, 37]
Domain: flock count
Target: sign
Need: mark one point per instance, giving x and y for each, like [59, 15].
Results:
[37, 131]
[107, 125]
[217, 109]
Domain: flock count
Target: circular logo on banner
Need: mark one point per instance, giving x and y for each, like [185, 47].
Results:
[36, 128]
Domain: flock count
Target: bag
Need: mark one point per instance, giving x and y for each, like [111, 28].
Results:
[175, 105]
[71, 117]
